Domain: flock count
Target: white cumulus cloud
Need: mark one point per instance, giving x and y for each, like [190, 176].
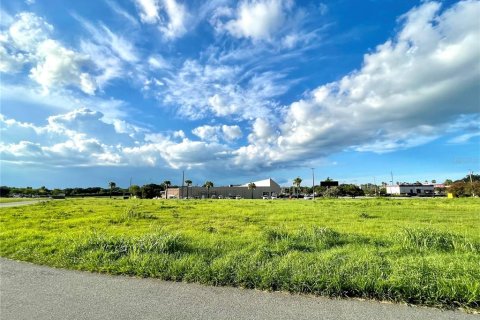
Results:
[29, 30]
[231, 132]
[60, 66]
[214, 133]
[28, 42]
[258, 20]
[411, 90]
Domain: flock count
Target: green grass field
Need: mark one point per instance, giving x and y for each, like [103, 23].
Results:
[421, 251]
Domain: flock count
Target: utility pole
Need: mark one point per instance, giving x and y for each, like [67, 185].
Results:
[471, 183]
[313, 182]
[183, 181]
[375, 186]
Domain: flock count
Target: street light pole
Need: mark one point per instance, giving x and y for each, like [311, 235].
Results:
[471, 184]
[313, 182]
[183, 181]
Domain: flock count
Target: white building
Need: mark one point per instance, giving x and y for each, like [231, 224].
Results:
[411, 189]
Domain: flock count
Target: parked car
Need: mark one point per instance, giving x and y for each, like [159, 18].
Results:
[220, 197]
[273, 197]
[238, 197]
[265, 197]
[307, 197]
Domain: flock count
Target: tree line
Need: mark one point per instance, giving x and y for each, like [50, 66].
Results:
[146, 191]
[465, 187]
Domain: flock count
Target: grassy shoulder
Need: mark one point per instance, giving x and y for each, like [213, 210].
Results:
[421, 251]
[9, 200]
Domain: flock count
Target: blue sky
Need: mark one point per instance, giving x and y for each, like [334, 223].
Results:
[238, 91]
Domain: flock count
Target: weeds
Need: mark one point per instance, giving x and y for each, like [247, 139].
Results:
[116, 247]
[133, 213]
[365, 215]
[428, 239]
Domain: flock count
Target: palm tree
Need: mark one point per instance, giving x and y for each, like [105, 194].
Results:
[188, 183]
[112, 186]
[166, 183]
[208, 185]
[296, 182]
[252, 187]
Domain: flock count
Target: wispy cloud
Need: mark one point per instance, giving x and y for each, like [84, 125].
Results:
[223, 91]
[169, 15]
[122, 12]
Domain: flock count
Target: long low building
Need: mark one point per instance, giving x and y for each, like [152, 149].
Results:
[263, 188]
[411, 189]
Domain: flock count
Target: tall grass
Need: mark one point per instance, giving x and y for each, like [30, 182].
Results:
[428, 239]
[416, 251]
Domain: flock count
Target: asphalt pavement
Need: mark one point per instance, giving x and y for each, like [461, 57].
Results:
[29, 291]
[19, 203]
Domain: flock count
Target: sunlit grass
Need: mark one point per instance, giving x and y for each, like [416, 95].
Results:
[8, 200]
[422, 251]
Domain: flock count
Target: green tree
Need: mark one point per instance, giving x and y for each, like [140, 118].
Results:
[252, 186]
[448, 182]
[4, 191]
[350, 190]
[57, 192]
[332, 192]
[188, 183]
[135, 190]
[151, 190]
[166, 184]
[42, 191]
[208, 185]
[475, 177]
[112, 186]
[296, 182]
[472, 189]
[458, 188]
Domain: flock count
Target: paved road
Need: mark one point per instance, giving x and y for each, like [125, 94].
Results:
[29, 291]
[19, 203]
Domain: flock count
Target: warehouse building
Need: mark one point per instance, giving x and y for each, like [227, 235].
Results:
[263, 188]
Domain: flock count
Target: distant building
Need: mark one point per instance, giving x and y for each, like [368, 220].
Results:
[267, 188]
[411, 189]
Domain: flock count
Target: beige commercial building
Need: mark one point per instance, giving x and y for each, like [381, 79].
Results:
[411, 189]
[263, 188]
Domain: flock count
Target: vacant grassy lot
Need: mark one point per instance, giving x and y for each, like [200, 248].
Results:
[423, 251]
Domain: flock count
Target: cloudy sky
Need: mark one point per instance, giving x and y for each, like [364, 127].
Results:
[236, 91]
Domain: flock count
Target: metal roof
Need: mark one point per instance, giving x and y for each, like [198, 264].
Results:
[263, 183]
